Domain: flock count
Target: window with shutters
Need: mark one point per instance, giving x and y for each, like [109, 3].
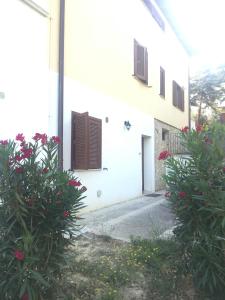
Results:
[178, 96]
[162, 82]
[86, 142]
[140, 62]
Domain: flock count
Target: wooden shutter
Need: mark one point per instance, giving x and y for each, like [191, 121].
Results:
[182, 99]
[162, 82]
[95, 143]
[175, 96]
[140, 62]
[79, 141]
[178, 96]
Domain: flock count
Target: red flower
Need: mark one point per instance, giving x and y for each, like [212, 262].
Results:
[45, 170]
[4, 142]
[73, 182]
[26, 152]
[185, 129]
[37, 136]
[167, 194]
[56, 139]
[19, 170]
[182, 194]
[198, 128]
[19, 255]
[25, 297]
[164, 155]
[43, 137]
[18, 158]
[224, 169]
[20, 137]
[66, 213]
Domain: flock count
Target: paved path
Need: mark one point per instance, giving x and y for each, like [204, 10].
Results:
[145, 217]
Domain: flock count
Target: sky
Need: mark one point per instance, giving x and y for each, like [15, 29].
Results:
[201, 26]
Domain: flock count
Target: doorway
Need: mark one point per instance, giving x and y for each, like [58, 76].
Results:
[146, 164]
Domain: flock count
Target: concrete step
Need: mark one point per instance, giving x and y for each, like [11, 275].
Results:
[145, 217]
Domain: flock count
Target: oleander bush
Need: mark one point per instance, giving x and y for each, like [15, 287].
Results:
[196, 191]
[38, 216]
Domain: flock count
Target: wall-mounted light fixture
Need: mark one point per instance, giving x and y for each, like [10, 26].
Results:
[127, 125]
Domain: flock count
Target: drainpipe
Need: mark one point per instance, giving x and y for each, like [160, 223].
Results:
[61, 81]
[189, 104]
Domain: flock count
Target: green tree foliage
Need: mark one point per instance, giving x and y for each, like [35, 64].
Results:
[38, 212]
[207, 90]
[197, 196]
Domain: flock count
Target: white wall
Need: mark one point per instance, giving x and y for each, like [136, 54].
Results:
[121, 175]
[24, 70]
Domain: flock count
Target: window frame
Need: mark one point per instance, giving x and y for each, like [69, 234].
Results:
[86, 141]
[178, 96]
[140, 62]
[162, 83]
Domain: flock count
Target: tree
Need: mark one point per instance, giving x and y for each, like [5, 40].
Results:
[207, 90]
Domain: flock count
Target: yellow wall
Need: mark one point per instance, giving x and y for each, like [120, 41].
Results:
[99, 53]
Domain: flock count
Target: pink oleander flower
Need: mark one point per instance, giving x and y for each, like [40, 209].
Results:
[4, 142]
[26, 152]
[41, 137]
[198, 127]
[45, 170]
[164, 155]
[185, 129]
[20, 137]
[167, 194]
[37, 136]
[182, 194]
[66, 213]
[25, 296]
[73, 182]
[56, 139]
[19, 255]
[18, 158]
[44, 139]
[19, 170]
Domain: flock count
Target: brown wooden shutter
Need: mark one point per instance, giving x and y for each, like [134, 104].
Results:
[162, 82]
[140, 62]
[175, 96]
[182, 99]
[178, 96]
[135, 57]
[146, 66]
[95, 143]
[79, 141]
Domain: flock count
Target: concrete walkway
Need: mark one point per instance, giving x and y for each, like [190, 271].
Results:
[145, 217]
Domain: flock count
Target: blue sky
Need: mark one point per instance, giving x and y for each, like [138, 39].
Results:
[201, 26]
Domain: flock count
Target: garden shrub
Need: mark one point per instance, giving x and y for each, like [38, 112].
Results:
[196, 187]
[38, 213]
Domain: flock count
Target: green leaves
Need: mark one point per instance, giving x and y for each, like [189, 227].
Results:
[200, 214]
[37, 208]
